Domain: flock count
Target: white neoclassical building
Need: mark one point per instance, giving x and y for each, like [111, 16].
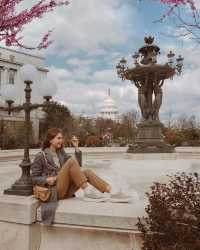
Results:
[109, 109]
[10, 63]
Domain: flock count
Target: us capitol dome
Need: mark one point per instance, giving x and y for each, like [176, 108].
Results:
[109, 110]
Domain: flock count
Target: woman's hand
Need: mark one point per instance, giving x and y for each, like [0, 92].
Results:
[51, 180]
[75, 142]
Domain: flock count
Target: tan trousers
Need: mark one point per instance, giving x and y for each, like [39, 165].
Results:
[71, 178]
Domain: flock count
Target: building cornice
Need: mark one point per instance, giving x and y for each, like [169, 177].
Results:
[21, 64]
[23, 53]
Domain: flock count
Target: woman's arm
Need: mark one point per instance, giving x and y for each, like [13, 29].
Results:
[78, 155]
[78, 152]
[37, 168]
[65, 155]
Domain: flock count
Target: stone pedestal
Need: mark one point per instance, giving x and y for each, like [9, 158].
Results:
[150, 139]
[17, 223]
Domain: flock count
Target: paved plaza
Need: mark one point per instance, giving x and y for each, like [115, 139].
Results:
[132, 173]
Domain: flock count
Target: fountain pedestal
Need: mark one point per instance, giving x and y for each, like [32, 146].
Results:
[150, 139]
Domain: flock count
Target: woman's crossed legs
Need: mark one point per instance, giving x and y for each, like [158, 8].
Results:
[71, 178]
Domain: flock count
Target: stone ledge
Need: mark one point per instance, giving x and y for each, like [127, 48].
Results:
[188, 150]
[78, 225]
[76, 212]
[95, 225]
[180, 152]
[18, 153]
[18, 209]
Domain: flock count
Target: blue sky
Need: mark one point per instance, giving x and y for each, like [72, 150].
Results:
[91, 36]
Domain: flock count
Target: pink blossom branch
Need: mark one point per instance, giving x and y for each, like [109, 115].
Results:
[11, 24]
[191, 24]
[191, 3]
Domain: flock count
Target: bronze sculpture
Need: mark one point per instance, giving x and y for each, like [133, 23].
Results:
[149, 76]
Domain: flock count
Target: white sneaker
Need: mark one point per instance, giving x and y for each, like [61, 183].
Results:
[79, 193]
[120, 198]
[96, 196]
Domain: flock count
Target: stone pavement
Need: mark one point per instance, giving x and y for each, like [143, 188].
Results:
[136, 171]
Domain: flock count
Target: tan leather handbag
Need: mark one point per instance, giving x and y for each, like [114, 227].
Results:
[40, 192]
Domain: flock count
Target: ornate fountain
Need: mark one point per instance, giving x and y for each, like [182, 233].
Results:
[149, 76]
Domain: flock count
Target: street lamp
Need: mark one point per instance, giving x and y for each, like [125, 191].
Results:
[170, 57]
[135, 58]
[28, 73]
[8, 93]
[179, 64]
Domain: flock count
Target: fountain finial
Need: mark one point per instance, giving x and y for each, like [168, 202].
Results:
[149, 40]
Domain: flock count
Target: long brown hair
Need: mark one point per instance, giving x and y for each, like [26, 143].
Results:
[51, 133]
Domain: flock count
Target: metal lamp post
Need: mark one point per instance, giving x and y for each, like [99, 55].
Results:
[23, 186]
[149, 76]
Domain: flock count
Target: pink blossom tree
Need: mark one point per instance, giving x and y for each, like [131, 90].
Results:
[13, 22]
[186, 13]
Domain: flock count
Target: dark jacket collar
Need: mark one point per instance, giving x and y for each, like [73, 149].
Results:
[49, 156]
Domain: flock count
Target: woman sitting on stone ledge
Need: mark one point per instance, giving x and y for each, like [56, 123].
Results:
[62, 172]
[55, 168]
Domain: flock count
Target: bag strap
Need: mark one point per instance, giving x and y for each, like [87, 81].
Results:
[46, 166]
[46, 163]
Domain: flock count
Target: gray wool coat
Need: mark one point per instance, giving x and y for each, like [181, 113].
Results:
[39, 175]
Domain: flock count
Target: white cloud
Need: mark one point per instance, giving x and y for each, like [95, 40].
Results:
[79, 96]
[182, 95]
[104, 76]
[79, 62]
[89, 27]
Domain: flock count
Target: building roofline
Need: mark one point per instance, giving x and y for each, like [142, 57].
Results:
[24, 53]
[21, 64]
[43, 69]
